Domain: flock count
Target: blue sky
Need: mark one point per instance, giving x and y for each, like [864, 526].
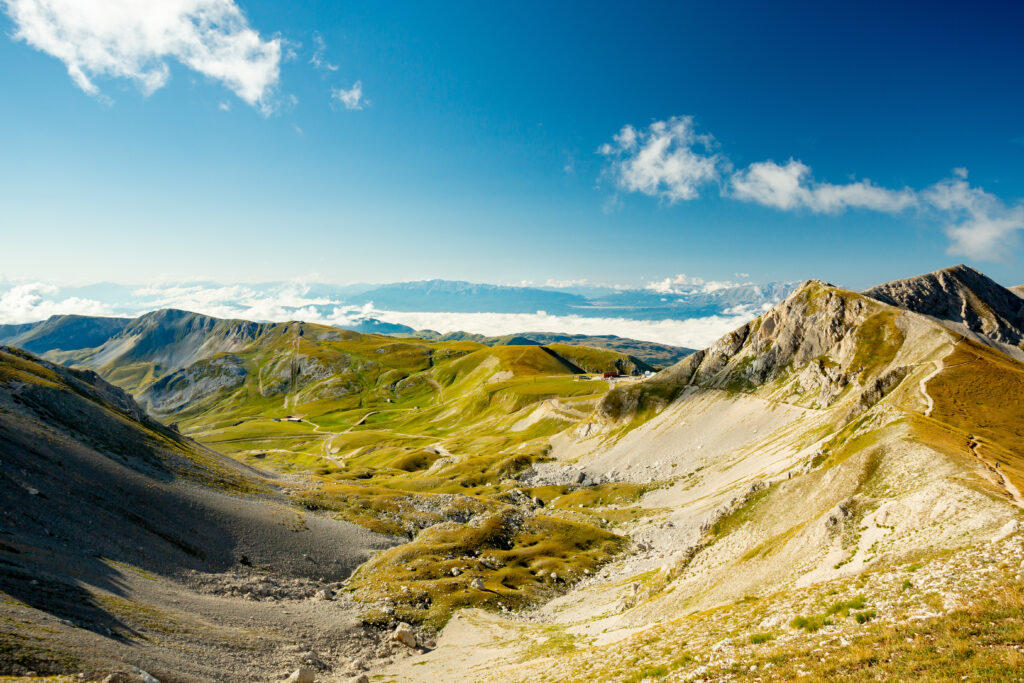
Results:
[483, 146]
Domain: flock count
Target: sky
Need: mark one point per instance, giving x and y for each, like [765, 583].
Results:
[246, 141]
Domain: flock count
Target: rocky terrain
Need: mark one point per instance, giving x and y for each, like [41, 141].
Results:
[963, 299]
[831, 490]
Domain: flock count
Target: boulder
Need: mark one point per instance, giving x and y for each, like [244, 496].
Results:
[301, 675]
[404, 634]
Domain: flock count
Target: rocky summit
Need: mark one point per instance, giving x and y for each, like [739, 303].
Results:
[830, 491]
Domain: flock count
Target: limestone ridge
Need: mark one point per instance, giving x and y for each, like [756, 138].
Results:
[812, 347]
[963, 299]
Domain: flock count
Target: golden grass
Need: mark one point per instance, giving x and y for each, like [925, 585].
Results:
[520, 561]
[980, 393]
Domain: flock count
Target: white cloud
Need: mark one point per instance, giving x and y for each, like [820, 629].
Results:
[33, 301]
[287, 302]
[685, 284]
[319, 59]
[134, 39]
[979, 225]
[668, 160]
[791, 187]
[351, 98]
[693, 332]
[671, 161]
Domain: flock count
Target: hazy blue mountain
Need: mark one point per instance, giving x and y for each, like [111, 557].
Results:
[62, 332]
[467, 297]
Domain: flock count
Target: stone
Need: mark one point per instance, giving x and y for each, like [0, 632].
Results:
[324, 594]
[477, 583]
[301, 675]
[404, 634]
[145, 677]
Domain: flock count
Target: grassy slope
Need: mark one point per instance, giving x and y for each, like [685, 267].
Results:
[147, 438]
[978, 394]
[401, 435]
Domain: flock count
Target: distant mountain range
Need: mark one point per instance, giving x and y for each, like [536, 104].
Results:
[637, 304]
[661, 312]
[437, 295]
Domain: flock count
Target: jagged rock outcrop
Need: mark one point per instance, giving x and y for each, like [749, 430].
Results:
[962, 298]
[810, 347]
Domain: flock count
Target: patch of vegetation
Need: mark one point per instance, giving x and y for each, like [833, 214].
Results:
[650, 673]
[519, 561]
[743, 514]
[21, 653]
[843, 608]
[811, 624]
[878, 341]
[758, 638]
[865, 616]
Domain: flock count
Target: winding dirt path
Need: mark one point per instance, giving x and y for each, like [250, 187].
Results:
[1004, 481]
[924, 388]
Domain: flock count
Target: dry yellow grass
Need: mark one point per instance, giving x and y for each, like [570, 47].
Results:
[980, 394]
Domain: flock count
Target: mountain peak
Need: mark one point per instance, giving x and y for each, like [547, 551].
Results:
[962, 299]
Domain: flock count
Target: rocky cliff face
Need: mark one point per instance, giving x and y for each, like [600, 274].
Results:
[809, 350]
[197, 381]
[962, 298]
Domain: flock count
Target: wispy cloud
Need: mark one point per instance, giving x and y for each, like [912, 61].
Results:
[979, 224]
[668, 159]
[134, 40]
[671, 161]
[351, 98]
[319, 59]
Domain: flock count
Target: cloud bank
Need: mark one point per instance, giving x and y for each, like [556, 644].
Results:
[134, 40]
[671, 161]
[33, 301]
[692, 332]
